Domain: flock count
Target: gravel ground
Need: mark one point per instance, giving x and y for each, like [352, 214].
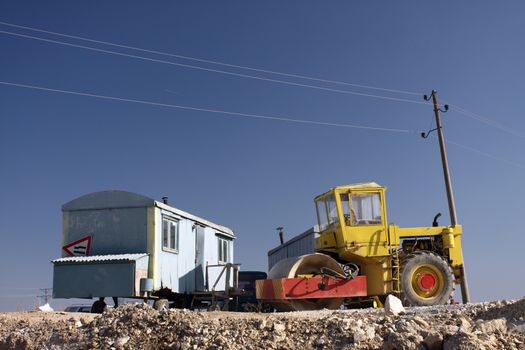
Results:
[491, 325]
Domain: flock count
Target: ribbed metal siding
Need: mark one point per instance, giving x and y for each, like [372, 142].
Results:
[299, 245]
[92, 258]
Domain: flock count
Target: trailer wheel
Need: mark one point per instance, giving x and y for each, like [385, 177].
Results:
[161, 305]
[426, 279]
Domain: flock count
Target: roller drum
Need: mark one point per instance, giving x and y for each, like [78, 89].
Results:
[311, 264]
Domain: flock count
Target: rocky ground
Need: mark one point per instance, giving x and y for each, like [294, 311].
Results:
[494, 325]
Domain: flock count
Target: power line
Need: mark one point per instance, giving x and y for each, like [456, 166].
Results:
[19, 288]
[228, 113]
[488, 155]
[388, 98]
[488, 121]
[255, 116]
[300, 76]
[460, 110]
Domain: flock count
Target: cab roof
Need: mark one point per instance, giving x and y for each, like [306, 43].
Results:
[355, 186]
[361, 185]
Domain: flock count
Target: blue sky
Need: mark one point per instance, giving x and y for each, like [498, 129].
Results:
[255, 175]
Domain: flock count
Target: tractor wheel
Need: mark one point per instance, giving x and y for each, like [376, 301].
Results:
[161, 305]
[426, 279]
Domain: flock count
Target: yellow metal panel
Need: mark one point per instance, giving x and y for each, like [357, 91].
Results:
[378, 277]
[65, 225]
[406, 232]
[455, 253]
[152, 241]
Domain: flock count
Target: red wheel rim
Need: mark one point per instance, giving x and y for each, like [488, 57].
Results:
[427, 281]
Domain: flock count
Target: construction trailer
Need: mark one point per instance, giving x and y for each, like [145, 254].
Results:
[122, 244]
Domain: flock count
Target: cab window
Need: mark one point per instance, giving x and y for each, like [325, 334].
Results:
[365, 209]
[361, 209]
[331, 207]
[327, 212]
[321, 214]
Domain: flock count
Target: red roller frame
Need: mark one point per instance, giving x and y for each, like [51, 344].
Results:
[310, 288]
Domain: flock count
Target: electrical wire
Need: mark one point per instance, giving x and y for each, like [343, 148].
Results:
[488, 155]
[488, 121]
[228, 113]
[255, 116]
[388, 98]
[460, 110]
[300, 76]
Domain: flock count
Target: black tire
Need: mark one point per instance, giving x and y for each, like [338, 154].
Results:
[426, 279]
[161, 305]
[98, 307]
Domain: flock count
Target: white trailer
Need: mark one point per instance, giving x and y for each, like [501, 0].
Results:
[122, 244]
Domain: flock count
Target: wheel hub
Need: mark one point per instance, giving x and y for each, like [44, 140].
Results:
[427, 281]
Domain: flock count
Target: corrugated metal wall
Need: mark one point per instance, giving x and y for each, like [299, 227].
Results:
[299, 245]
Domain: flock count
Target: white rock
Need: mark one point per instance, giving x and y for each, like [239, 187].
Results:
[370, 332]
[279, 327]
[359, 336]
[362, 335]
[120, 341]
[393, 305]
[492, 326]
[45, 308]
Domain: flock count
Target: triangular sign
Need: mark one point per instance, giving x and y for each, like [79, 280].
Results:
[79, 248]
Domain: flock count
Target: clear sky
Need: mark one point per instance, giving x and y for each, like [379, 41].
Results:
[254, 175]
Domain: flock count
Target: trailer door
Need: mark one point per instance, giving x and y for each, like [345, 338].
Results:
[199, 259]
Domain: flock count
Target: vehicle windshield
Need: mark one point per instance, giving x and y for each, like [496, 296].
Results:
[365, 209]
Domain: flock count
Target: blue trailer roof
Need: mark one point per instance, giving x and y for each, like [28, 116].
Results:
[123, 199]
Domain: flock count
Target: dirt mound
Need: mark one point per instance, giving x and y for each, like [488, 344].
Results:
[137, 326]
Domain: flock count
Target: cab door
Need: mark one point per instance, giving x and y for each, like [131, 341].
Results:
[365, 222]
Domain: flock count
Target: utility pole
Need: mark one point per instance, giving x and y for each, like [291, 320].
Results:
[46, 294]
[465, 293]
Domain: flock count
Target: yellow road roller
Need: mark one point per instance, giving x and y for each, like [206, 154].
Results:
[360, 256]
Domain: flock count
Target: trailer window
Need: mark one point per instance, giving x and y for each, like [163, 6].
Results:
[365, 209]
[224, 250]
[170, 234]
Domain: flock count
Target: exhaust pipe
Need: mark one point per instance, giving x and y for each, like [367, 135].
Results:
[281, 234]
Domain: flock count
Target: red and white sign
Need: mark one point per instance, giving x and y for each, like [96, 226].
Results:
[79, 248]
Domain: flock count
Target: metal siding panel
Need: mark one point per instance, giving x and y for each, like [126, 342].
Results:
[168, 263]
[94, 280]
[200, 258]
[212, 258]
[186, 258]
[296, 246]
[108, 199]
[114, 231]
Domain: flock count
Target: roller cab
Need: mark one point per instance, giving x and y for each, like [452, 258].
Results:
[419, 264]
